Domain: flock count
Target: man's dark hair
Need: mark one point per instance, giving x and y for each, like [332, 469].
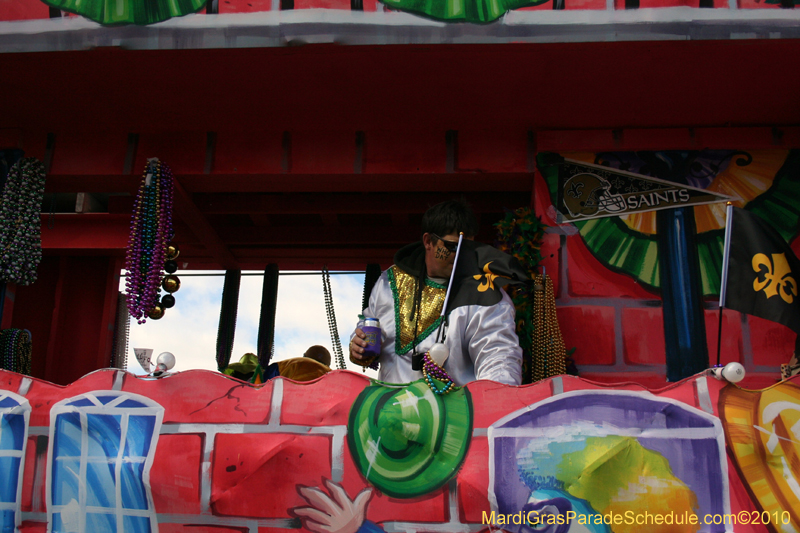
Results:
[320, 354]
[452, 216]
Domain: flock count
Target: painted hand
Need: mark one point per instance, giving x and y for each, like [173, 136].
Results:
[336, 513]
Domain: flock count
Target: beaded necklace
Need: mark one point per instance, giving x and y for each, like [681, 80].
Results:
[20, 222]
[434, 373]
[151, 230]
[329, 310]
[8, 349]
[15, 350]
[432, 370]
[548, 353]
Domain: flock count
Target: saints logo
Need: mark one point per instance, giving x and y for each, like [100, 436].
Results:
[774, 277]
[585, 194]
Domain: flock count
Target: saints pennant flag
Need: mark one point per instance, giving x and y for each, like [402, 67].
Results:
[762, 272]
[481, 270]
[592, 191]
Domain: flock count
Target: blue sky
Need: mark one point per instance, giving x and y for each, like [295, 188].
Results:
[189, 330]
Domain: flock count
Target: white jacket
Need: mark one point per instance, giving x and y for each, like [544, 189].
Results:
[482, 340]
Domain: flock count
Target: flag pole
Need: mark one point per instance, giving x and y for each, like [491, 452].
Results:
[726, 252]
[450, 285]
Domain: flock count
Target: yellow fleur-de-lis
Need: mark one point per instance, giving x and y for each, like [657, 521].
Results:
[777, 278]
[488, 282]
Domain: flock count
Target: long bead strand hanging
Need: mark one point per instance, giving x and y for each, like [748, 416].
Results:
[15, 347]
[20, 222]
[549, 354]
[151, 230]
[329, 309]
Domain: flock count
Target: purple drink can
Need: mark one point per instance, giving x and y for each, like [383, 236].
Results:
[372, 329]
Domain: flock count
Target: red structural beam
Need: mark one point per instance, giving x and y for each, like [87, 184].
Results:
[99, 233]
[104, 183]
[364, 88]
[88, 231]
[365, 235]
[322, 182]
[188, 212]
[668, 139]
[352, 203]
[302, 258]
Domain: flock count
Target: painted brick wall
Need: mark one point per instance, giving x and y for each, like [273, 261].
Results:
[231, 455]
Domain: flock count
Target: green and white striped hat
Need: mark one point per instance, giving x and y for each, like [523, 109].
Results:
[409, 441]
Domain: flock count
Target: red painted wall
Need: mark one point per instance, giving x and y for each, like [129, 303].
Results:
[258, 456]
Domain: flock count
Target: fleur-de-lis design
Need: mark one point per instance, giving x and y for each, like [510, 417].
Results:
[488, 281]
[575, 189]
[777, 277]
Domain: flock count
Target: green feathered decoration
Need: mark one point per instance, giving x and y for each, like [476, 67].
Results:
[520, 234]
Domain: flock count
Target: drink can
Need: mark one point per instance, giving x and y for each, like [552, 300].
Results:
[372, 329]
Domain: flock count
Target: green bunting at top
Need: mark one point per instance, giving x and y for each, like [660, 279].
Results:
[121, 12]
[475, 11]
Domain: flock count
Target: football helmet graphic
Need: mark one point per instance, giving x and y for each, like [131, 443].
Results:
[585, 194]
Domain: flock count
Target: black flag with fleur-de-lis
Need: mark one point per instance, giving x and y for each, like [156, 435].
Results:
[763, 272]
[480, 272]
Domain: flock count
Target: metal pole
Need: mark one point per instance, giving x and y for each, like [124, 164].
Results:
[723, 288]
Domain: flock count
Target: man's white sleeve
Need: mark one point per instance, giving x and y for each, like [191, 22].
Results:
[493, 342]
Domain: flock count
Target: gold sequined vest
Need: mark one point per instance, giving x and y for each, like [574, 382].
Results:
[412, 330]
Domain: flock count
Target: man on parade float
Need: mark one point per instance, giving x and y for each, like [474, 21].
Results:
[408, 299]
[448, 328]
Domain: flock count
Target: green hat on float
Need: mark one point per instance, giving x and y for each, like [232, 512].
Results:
[246, 364]
[408, 441]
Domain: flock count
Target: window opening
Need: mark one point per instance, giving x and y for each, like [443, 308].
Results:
[189, 330]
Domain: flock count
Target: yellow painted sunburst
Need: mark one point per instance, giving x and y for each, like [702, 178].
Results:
[762, 429]
[745, 182]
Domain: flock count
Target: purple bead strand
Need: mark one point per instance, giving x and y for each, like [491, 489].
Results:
[151, 230]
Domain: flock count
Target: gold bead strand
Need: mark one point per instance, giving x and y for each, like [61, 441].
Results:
[556, 359]
[538, 355]
[548, 357]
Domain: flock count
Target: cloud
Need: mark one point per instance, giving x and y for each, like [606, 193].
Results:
[188, 330]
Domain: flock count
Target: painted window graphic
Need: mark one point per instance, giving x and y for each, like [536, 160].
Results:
[610, 452]
[14, 416]
[108, 439]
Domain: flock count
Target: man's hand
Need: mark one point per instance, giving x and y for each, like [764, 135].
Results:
[336, 513]
[357, 346]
